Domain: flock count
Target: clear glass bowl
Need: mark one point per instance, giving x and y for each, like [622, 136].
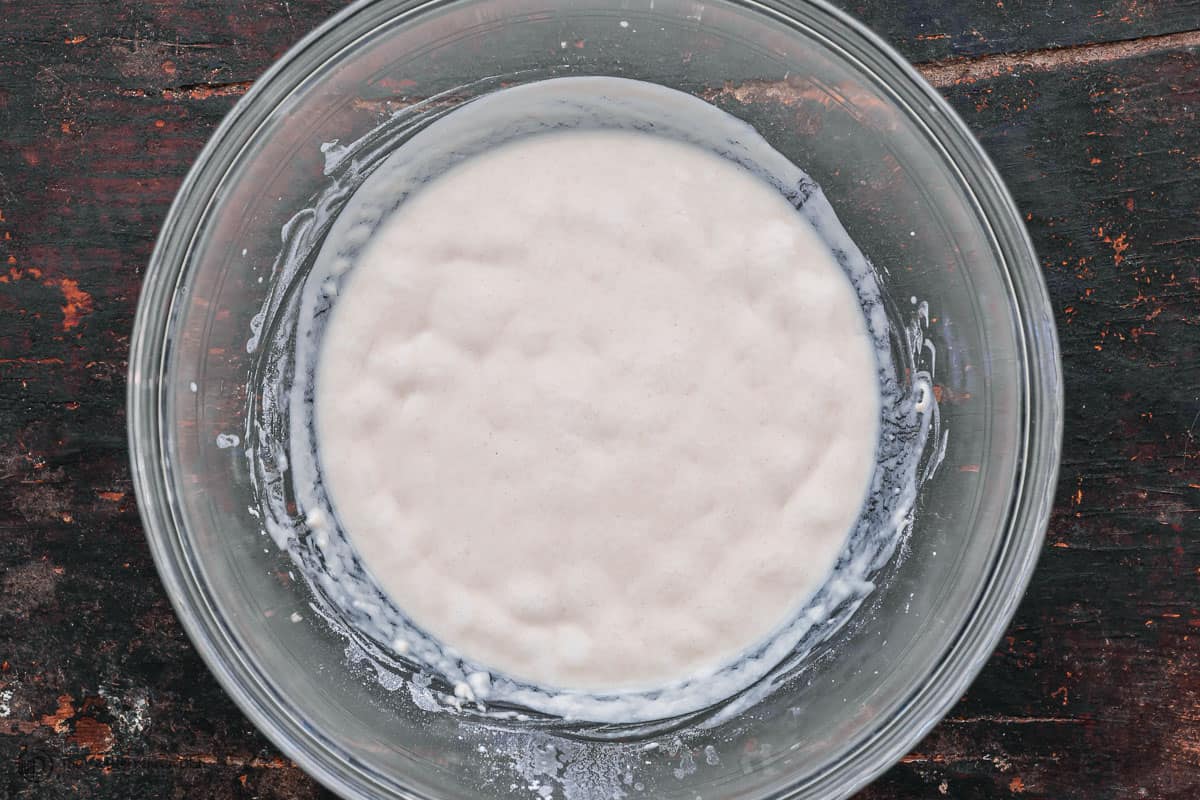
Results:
[912, 188]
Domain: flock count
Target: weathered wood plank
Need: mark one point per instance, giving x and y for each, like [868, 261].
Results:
[188, 45]
[928, 30]
[1094, 693]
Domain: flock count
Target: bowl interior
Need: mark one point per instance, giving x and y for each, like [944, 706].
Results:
[910, 188]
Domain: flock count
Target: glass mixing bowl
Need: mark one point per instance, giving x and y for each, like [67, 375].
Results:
[909, 184]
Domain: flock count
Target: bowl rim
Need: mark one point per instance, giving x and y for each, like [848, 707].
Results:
[928, 700]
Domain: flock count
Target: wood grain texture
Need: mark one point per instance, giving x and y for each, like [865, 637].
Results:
[1095, 693]
[928, 30]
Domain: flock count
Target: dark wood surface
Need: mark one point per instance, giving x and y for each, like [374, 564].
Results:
[1089, 109]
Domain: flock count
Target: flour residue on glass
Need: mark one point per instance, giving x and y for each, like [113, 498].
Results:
[367, 182]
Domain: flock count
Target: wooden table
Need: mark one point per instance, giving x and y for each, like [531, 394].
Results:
[1089, 108]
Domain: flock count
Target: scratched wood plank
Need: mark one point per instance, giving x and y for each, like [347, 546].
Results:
[1094, 693]
[927, 30]
[215, 45]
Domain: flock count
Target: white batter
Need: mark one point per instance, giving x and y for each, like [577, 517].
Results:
[597, 409]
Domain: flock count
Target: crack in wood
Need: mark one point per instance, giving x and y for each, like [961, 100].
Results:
[136, 43]
[203, 91]
[1001, 719]
[953, 71]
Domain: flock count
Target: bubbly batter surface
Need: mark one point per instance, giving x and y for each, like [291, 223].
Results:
[597, 409]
